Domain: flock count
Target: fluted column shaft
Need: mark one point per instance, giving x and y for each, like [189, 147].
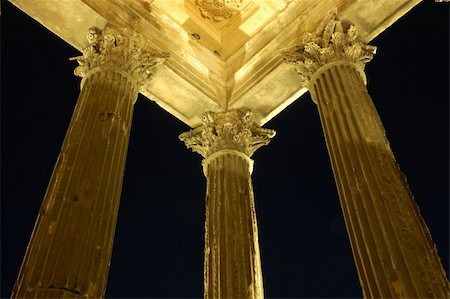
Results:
[69, 252]
[392, 246]
[394, 254]
[232, 259]
[70, 248]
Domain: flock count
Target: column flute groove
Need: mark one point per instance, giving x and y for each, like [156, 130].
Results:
[70, 248]
[354, 152]
[232, 260]
[369, 171]
[349, 179]
[394, 253]
[350, 211]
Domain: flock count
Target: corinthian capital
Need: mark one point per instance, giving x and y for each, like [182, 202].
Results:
[335, 40]
[231, 130]
[127, 52]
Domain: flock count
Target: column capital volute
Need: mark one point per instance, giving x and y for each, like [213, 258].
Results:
[122, 50]
[234, 130]
[335, 41]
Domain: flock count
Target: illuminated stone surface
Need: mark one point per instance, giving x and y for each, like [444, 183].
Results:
[393, 250]
[218, 62]
[69, 251]
[232, 261]
[224, 57]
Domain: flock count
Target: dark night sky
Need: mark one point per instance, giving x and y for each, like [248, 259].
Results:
[158, 249]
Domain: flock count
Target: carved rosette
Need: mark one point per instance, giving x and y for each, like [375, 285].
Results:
[231, 130]
[126, 52]
[218, 10]
[335, 40]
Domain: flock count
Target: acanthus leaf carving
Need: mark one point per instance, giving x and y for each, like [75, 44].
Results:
[124, 51]
[218, 10]
[231, 130]
[335, 40]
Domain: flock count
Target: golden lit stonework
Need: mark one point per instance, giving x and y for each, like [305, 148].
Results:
[224, 58]
[218, 10]
[232, 130]
[216, 66]
[69, 252]
[232, 260]
[129, 53]
[392, 247]
[334, 40]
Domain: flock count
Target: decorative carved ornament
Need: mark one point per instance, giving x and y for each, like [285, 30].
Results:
[218, 10]
[109, 48]
[335, 40]
[232, 130]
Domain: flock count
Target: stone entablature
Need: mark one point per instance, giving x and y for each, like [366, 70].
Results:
[216, 65]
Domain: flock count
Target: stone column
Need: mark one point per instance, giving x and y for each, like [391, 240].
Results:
[69, 252]
[393, 250]
[232, 261]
